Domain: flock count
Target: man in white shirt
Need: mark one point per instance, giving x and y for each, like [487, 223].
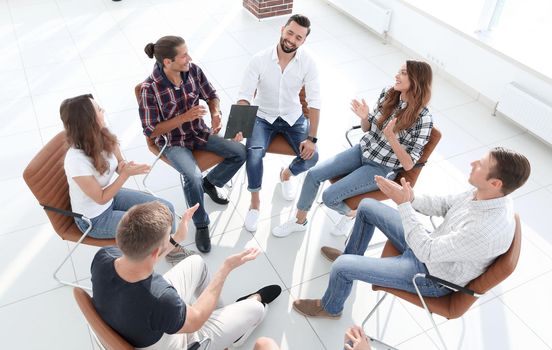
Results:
[273, 81]
[478, 227]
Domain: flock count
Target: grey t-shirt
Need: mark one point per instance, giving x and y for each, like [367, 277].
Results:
[140, 312]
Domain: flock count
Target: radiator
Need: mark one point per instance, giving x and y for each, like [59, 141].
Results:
[527, 110]
[367, 12]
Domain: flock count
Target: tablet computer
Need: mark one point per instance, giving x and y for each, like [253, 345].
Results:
[241, 118]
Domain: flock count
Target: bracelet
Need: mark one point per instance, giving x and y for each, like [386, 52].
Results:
[173, 242]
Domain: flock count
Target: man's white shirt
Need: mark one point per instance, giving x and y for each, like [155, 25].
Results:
[276, 92]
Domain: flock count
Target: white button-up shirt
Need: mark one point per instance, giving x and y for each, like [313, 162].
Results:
[470, 238]
[276, 92]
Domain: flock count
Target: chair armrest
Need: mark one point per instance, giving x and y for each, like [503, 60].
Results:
[62, 212]
[348, 132]
[453, 286]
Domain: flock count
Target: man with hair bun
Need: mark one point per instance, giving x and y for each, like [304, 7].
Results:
[169, 105]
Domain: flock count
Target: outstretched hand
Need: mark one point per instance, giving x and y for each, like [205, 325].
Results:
[236, 260]
[182, 229]
[397, 193]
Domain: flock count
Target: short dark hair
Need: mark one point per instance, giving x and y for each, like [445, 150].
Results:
[302, 20]
[143, 228]
[165, 47]
[510, 167]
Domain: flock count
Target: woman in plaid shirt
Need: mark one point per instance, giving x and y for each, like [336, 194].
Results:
[396, 132]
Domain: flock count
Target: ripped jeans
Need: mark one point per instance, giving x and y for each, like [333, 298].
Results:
[263, 134]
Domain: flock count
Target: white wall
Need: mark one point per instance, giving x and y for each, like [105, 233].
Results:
[462, 57]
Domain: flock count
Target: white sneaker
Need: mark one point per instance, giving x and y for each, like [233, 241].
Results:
[288, 187]
[344, 226]
[244, 337]
[251, 219]
[288, 228]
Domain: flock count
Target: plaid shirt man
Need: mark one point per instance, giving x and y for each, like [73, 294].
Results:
[375, 146]
[161, 100]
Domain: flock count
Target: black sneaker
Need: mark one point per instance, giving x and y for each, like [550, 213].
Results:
[213, 193]
[202, 239]
[267, 293]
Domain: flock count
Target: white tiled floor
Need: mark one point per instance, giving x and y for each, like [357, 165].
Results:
[54, 49]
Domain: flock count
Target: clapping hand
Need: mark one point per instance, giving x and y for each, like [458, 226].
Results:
[131, 168]
[361, 109]
[397, 193]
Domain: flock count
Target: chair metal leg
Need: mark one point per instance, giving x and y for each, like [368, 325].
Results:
[153, 164]
[69, 256]
[422, 275]
[373, 310]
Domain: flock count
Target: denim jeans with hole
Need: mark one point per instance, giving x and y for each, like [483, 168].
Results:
[263, 134]
[184, 162]
[394, 272]
[104, 226]
[358, 178]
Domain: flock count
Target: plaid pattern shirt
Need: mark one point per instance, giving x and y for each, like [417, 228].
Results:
[375, 146]
[472, 235]
[160, 100]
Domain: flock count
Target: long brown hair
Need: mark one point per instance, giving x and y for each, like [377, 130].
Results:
[419, 94]
[84, 132]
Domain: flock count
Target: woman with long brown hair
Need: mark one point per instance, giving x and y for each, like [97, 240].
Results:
[90, 164]
[395, 135]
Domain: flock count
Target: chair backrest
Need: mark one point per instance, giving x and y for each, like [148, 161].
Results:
[110, 339]
[454, 305]
[412, 174]
[204, 159]
[45, 176]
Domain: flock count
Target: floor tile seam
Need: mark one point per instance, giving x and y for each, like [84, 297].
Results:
[15, 231]
[59, 286]
[525, 324]
[313, 330]
[24, 68]
[541, 275]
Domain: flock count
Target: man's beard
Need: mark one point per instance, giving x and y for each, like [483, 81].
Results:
[283, 47]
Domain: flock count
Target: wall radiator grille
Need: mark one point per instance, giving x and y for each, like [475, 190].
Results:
[526, 110]
[367, 12]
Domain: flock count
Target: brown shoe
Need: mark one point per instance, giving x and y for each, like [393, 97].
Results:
[312, 308]
[330, 253]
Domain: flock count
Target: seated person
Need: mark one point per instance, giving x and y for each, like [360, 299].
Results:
[158, 312]
[478, 227]
[169, 105]
[273, 81]
[90, 164]
[355, 339]
[396, 133]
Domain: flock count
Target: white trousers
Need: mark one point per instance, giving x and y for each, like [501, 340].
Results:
[225, 325]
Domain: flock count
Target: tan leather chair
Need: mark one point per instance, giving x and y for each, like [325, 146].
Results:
[456, 304]
[105, 336]
[46, 179]
[204, 159]
[410, 175]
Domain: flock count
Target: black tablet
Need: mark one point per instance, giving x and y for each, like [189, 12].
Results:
[241, 118]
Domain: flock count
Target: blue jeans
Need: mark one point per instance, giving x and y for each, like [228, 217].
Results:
[394, 272]
[263, 134]
[358, 179]
[184, 162]
[105, 225]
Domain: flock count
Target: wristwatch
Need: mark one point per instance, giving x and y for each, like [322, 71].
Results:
[312, 139]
